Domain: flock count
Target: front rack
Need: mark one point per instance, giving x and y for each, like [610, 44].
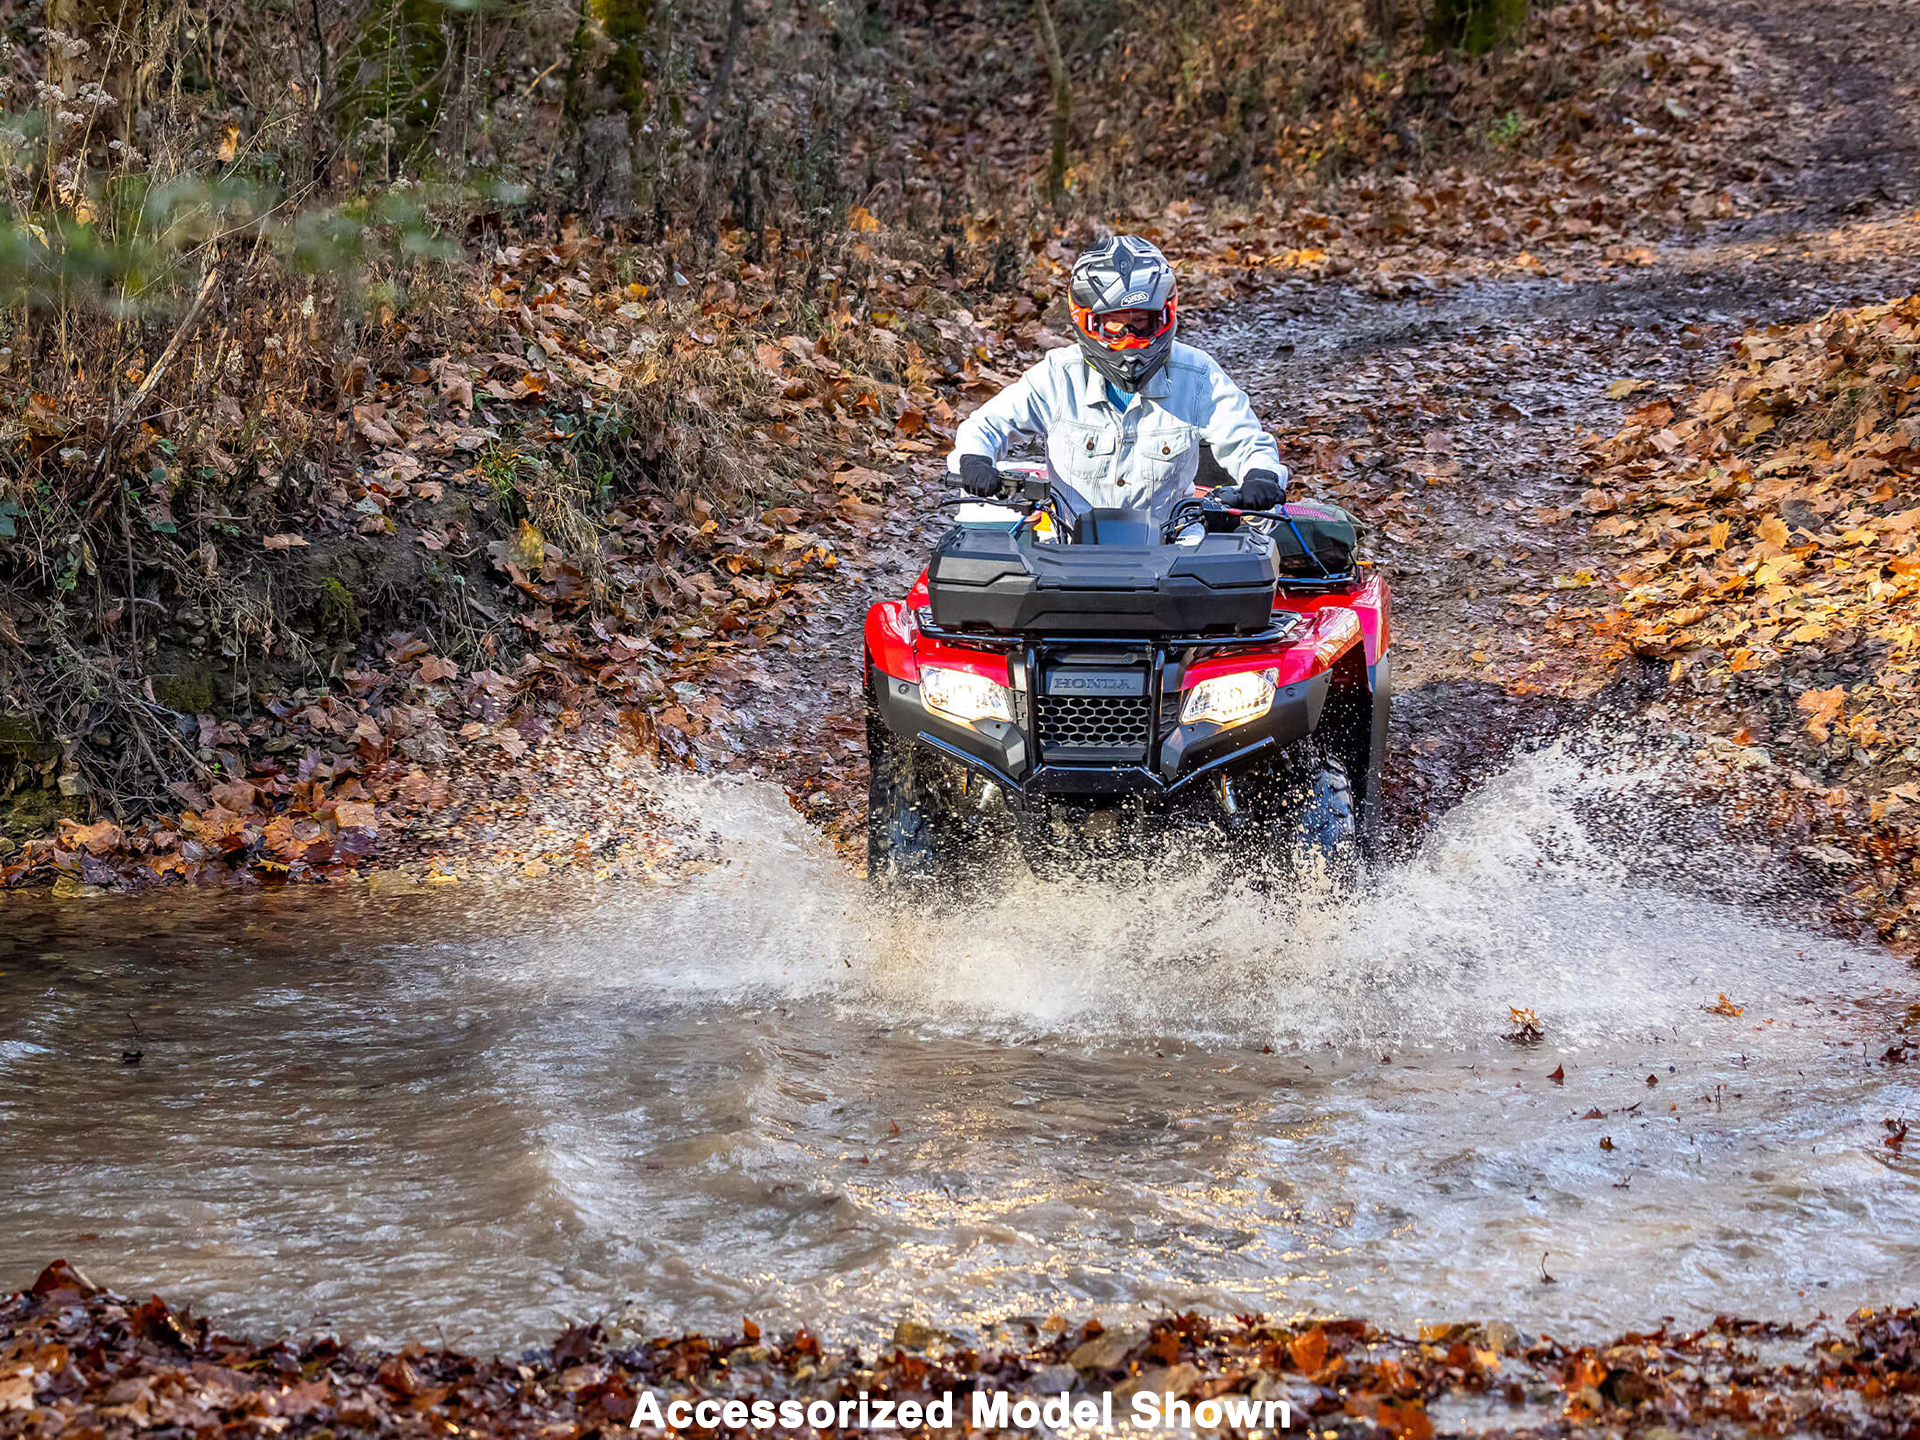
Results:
[1014, 644]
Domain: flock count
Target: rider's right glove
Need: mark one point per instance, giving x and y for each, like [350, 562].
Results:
[1261, 490]
[979, 475]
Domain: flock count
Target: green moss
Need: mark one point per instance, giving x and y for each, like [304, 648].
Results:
[336, 615]
[189, 691]
[1476, 26]
[20, 741]
[625, 23]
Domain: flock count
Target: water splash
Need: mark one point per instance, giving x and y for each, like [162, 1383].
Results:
[1530, 894]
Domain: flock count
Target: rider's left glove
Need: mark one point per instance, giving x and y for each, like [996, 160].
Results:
[1261, 490]
[979, 475]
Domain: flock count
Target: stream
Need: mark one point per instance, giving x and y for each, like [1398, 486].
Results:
[472, 1114]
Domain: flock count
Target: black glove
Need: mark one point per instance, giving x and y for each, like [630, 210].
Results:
[1261, 490]
[979, 475]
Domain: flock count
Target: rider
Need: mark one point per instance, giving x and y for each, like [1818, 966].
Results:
[1126, 410]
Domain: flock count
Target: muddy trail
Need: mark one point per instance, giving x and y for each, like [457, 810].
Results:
[1452, 420]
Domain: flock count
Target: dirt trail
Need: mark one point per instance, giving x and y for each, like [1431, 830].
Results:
[1452, 422]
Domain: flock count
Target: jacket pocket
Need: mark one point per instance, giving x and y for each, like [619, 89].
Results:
[1080, 453]
[1165, 450]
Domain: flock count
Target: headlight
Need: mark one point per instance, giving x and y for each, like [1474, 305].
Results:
[1230, 699]
[964, 696]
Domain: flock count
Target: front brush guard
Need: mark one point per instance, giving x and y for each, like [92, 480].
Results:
[1178, 756]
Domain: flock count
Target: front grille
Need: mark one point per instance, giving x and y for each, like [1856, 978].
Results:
[1094, 727]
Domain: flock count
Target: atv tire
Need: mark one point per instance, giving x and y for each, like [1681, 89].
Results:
[912, 840]
[1305, 816]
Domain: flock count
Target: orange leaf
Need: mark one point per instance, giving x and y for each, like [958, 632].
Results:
[1822, 708]
[1309, 1351]
[1406, 1422]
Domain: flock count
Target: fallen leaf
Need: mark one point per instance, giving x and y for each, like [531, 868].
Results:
[1822, 708]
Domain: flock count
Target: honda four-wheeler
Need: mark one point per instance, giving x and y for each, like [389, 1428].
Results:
[1062, 673]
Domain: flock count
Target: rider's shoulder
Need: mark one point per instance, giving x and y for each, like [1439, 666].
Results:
[1190, 357]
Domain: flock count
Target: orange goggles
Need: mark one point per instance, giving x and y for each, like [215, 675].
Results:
[1125, 329]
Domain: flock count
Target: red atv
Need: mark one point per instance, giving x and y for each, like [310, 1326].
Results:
[1062, 672]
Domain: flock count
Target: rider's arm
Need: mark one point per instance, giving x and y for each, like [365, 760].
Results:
[1026, 407]
[1233, 432]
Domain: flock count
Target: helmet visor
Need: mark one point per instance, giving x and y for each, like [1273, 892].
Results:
[1116, 327]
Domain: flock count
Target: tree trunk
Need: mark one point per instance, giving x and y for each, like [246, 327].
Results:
[1476, 26]
[1062, 105]
[606, 168]
[607, 104]
[1383, 16]
[723, 74]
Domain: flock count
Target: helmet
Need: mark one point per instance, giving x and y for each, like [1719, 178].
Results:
[1122, 298]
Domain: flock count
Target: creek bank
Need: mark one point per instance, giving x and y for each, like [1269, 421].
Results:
[80, 1359]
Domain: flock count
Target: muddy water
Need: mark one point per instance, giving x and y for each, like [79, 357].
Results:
[472, 1117]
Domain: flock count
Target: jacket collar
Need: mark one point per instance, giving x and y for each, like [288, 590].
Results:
[1093, 385]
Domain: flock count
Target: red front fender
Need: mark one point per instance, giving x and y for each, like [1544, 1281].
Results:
[890, 636]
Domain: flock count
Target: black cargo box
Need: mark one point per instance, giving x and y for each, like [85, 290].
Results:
[987, 579]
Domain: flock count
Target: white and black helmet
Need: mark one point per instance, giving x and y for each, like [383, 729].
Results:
[1124, 309]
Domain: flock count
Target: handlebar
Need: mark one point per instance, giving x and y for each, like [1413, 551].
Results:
[1004, 502]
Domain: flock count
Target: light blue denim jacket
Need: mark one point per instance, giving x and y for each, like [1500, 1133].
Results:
[1145, 456]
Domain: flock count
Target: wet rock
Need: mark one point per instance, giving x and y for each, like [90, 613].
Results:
[21, 742]
[1052, 1380]
[1181, 1379]
[1502, 1337]
[1106, 1350]
[916, 1335]
[188, 690]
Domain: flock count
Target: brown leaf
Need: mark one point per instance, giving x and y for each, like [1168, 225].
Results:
[370, 421]
[1309, 1351]
[1405, 1422]
[1822, 708]
[101, 838]
[235, 795]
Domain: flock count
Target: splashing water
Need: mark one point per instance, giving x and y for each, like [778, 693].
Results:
[753, 1092]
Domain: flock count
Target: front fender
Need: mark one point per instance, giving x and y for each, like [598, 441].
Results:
[890, 634]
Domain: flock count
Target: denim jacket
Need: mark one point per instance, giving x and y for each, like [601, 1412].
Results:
[1145, 456]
